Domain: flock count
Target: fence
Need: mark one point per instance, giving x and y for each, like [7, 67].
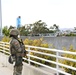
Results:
[4, 48]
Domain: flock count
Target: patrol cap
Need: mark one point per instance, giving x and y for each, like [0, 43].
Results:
[14, 32]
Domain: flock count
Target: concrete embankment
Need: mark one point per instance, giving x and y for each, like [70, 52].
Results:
[57, 42]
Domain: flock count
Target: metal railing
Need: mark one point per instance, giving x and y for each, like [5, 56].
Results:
[4, 48]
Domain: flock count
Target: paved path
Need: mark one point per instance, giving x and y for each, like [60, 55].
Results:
[5, 70]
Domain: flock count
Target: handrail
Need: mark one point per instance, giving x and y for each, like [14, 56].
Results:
[4, 47]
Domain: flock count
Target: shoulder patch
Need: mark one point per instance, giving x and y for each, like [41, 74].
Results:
[16, 43]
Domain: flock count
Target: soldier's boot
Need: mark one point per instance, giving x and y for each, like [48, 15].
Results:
[17, 70]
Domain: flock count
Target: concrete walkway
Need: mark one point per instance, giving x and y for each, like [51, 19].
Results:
[5, 71]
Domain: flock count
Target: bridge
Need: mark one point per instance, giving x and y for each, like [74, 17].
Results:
[42, 69]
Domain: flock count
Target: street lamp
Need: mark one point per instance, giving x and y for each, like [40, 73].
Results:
[0, 19]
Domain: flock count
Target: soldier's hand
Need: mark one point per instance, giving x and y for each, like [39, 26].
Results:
[26, 57]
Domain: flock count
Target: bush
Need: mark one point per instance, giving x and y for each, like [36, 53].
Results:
[70, 63]
[39, 43]
[5, 39]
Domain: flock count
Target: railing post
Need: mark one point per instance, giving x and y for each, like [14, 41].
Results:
[5, 55]
[29, 56]
[57, 66]
[3, 60]
[1, 54]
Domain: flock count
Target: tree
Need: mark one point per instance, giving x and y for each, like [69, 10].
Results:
[11, 27]
[74, 28]
[39, 27]
[56, 27]
[23, 31]
[5, 31]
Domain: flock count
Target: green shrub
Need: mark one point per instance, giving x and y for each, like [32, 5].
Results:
[39, 43]
[5, 39]
[70, 63]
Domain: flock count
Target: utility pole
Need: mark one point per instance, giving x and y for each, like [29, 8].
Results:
[0, 19]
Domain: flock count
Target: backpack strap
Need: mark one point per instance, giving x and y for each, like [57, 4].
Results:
[23, 47]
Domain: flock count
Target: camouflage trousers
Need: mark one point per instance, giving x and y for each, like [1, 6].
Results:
[18, 70]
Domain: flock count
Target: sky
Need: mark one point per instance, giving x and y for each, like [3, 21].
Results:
[59, 12]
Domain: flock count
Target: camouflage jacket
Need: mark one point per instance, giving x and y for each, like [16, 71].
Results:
[15, 48]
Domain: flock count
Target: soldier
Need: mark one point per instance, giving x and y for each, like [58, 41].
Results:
[16, 52]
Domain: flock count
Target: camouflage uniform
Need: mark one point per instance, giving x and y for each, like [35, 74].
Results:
[15, 51]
